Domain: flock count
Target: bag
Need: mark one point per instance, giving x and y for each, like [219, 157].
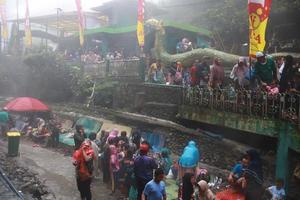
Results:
[178, 77]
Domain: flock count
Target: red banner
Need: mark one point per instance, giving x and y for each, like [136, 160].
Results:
[81, 21]
[259, 11]
[140, 23]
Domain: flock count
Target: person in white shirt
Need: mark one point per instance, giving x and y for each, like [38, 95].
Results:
[277, 191]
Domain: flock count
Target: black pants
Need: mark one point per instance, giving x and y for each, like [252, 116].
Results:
[84, 188]
[141, 183]
[55, 139]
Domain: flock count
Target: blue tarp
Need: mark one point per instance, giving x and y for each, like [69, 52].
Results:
[90, 125]
[156, 140]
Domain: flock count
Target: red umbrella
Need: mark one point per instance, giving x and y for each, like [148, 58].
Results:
[25, 104]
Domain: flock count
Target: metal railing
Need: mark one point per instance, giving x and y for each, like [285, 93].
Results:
[284, 106]
[113, 68]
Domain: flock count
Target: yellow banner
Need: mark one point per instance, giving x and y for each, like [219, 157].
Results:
[258, 19]
[81, 22]
[140, 33]
[27, 28]
[4, 28]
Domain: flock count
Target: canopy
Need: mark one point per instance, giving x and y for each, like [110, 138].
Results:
[25, 104]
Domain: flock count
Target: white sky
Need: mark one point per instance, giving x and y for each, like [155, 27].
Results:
[44, 7]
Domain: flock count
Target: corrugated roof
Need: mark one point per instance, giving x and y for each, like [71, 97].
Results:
[132, 28]
[187, 27]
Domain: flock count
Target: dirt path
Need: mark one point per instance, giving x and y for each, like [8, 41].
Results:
[57, 172]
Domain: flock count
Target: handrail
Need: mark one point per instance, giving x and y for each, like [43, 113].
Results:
[283, 106]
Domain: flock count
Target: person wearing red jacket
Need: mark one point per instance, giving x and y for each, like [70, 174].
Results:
[83, 161]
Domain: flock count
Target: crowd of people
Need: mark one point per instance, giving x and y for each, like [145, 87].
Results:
[93, 56]
[42, 132]
[282, 75]
[129, 164]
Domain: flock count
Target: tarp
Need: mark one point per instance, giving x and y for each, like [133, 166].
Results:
[156, 140]
[90, 125]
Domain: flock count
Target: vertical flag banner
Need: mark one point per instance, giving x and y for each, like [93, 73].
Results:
[4, 29]
[81, 23]
[259, 11]
[140, 23]
[27, 28]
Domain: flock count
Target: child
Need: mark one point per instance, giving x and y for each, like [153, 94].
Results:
[277, 191]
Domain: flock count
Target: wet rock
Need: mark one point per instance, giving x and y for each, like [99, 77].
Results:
[25, 180]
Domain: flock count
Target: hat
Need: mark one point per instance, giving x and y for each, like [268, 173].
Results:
[259, 54]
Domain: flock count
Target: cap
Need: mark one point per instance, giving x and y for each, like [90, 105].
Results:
[259, 54]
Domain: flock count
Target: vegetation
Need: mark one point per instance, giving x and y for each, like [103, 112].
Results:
[228, 20]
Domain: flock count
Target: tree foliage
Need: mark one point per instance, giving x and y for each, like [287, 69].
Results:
[49, 77]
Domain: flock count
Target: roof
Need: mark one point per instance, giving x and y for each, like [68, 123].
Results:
[132, 28]
[111, 30]
[188, 27]
[67, 21]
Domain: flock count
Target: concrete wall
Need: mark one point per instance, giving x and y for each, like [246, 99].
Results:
[154, 100]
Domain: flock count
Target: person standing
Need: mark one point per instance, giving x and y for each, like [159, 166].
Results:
[83, 161]
[193, 72]
[238, 73]
[186, 190]
[114, 164]
[203, 71]
[4, 122]
[287, 74]
[143, 168]
[55, 128]
[79, 136]
[217, 74]
[265, 69]
[155, 189]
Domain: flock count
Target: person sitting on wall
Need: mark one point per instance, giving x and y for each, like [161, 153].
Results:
[235, 177]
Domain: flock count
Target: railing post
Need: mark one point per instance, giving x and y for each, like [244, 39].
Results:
[107, 68]
[282, 165]
[142, 67]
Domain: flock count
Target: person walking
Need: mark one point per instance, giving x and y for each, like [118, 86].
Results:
[83, 161]
[143, 168]
[155, 189]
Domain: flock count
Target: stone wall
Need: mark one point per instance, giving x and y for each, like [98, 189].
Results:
[150, 99]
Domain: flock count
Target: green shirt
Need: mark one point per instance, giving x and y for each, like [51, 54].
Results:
[3, 117]
[266, 71]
